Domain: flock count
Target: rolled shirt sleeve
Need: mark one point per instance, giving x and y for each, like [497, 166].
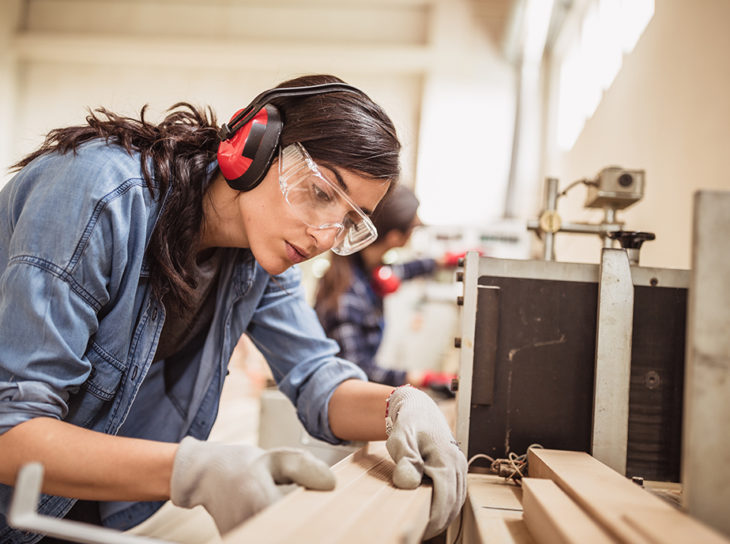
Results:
[62, 256]
[46, 327]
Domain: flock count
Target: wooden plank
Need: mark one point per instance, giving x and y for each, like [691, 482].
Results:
[492, 513]
[615, 502]
[554, 518]
[364, 507]
[672, 527]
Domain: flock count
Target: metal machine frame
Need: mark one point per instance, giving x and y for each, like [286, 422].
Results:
[602, 390]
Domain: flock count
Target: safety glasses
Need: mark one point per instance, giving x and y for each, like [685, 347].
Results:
[321, 203]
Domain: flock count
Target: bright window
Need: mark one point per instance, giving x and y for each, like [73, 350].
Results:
[607, 30]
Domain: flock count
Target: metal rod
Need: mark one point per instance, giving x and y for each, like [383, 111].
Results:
[23, 515]
[551, 204]
[581, 228]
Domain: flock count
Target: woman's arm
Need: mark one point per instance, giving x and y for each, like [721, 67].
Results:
[86, 464]
[357, 410]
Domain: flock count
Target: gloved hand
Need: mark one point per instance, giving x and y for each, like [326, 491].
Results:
[420, 442]
[233, 482]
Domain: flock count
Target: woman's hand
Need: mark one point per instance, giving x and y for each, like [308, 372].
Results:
[233, 482]
[420, 442]
[418, 439]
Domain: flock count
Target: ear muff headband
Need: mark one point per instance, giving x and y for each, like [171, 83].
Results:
[250, 139]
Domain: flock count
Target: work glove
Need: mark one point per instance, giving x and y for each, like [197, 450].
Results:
[233, 482]
[420, 442]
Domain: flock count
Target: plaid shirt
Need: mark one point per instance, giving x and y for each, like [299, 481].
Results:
[358, 323]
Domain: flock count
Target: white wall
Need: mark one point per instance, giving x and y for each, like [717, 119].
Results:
[466, 124]
[9, 21]
[667, 112]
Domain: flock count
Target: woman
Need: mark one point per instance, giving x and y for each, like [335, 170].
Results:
[349, 298]
[132, 258]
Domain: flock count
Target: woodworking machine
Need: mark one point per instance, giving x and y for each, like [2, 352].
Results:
[586, 357]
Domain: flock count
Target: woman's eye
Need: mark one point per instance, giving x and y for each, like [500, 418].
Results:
[321, 195]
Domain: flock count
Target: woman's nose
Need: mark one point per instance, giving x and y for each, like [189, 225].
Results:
[324, 238]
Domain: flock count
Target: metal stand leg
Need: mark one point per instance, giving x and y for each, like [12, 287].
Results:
[613, 360]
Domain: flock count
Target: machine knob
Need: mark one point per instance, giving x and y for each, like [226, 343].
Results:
[631, 239]
[550, 221]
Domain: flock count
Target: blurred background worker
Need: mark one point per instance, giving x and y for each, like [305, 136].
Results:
[349, 296]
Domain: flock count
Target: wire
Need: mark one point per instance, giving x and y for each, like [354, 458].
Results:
[513, 467]
[479, 456]
[577, 182]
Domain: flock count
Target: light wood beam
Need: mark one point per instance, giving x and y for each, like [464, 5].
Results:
[623, 508]
[553, 518]
[364, 507]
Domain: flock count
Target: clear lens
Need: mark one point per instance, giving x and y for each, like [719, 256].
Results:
[357, 237]
[322, 204]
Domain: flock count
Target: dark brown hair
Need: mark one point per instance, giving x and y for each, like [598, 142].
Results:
[343, 129]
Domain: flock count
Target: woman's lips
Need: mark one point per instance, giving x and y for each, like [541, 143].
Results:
[294, 254]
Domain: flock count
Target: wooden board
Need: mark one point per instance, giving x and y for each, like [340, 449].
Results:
[492, 513]
[364, 507]
[554, 518]
[624, 509]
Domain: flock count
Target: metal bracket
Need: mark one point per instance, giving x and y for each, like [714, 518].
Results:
[23, 515]
[613, 360]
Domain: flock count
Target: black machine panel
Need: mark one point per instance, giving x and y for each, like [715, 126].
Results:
[533, 371]
[657, 383]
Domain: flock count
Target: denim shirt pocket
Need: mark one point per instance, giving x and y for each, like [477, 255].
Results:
[90, 405]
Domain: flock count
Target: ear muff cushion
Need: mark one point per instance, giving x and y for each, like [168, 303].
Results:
[246, 156]
[384, 281]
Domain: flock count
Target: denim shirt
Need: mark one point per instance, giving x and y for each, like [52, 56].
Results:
[79, 324]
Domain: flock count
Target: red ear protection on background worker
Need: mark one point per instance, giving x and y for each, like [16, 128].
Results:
[384, 281]
[250, 139]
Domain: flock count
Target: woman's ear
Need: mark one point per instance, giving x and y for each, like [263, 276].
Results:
[396, 238]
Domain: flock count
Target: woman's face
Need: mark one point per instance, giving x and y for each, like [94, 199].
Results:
[277, 237]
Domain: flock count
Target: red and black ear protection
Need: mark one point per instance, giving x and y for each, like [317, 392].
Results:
[384, 281]
[250, 139]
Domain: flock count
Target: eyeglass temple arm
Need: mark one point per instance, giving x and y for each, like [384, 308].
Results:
[23, 515]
